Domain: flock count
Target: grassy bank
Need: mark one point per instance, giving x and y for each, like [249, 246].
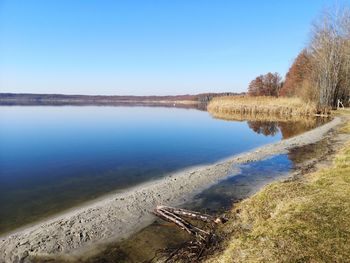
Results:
[234, 107]
[302, 220]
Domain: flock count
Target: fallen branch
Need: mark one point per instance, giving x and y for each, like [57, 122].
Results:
[193, 214]
[183, 224]
[204, 241]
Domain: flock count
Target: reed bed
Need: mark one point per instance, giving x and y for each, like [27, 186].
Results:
[246, 107]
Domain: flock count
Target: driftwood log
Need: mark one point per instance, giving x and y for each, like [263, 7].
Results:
[174, 215]
[204, 239]
[183, 224]
[192, 214]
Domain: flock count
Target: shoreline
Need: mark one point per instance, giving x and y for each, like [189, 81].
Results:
[294, 219]
[119, 215]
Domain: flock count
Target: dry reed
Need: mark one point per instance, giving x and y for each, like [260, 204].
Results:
[260, 107]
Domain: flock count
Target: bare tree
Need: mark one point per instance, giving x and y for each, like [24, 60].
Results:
[330, 58]
[344, 93]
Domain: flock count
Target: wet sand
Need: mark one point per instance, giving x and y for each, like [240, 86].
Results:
[117, 216]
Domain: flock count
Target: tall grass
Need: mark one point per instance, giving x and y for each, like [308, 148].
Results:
[256, 107]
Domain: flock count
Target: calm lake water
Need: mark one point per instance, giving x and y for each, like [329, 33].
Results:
[53, 158]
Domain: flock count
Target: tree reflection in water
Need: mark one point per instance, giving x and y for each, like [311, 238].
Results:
[287, 128]
[266, 128]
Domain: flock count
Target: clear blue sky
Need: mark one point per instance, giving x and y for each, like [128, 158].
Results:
[148, 47]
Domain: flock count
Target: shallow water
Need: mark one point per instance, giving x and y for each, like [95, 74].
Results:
[251, 178]
[149, 242]
[53, 158]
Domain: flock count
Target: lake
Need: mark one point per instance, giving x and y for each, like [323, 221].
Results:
[54, 158]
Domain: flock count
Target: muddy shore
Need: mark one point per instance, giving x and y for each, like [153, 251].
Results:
[117, 216]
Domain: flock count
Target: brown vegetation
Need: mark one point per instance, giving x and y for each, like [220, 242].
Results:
[330, 57]
[298, 79]
[261, 107]
[265, 85]
[321, 72]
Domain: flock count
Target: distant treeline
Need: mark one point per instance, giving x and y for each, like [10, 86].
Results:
[60, 99]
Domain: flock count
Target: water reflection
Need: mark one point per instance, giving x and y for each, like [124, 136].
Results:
[265, 128]
[54, 158]
[288, 129]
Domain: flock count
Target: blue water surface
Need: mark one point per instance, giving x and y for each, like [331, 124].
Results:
[52, 158]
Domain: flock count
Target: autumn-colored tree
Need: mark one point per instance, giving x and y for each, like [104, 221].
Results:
[297, 81]
[265, 85]
[255, 86]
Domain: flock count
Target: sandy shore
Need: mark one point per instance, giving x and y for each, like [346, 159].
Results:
[119, 215]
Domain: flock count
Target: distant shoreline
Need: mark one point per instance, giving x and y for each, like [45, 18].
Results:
[26, 99]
